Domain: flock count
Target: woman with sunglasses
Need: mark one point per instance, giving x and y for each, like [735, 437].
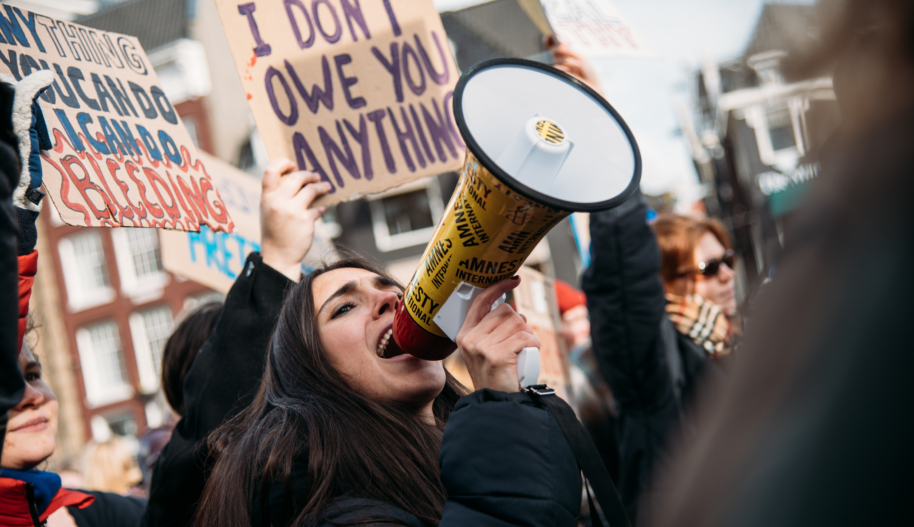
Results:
[696, 266]
[660, 303]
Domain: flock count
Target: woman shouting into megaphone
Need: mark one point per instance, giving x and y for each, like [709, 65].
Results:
[338, 426]
[337, 433]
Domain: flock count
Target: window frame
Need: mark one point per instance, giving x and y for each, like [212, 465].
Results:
[99, 393]
[757, 119]
[133, 285]
[79, 297]
[384, 240]
[149, 375]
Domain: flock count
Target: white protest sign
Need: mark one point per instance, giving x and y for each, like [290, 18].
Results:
[121, 155]
[215, 259]
[594, 28]
[359, 91]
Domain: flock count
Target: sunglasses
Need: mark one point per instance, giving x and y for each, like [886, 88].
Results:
[712, 267]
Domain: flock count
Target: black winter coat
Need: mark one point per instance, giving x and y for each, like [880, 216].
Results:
[651, 368]
[11, 383]
[221, 382]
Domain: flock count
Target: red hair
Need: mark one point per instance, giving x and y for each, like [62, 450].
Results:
[678, 236]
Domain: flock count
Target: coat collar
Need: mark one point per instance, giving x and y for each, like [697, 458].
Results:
[47, 496]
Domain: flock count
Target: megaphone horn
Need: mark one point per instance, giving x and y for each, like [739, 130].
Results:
[540, 145]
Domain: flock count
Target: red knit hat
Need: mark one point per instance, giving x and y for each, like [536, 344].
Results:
[568, 297]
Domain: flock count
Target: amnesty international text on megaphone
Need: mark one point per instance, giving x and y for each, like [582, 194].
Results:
[540, 145]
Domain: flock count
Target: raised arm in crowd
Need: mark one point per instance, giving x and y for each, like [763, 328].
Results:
[310, 422]
[227, 370]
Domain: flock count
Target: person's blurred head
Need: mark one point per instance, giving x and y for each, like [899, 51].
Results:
[32, 425]
[872, 42]
[182, 348]
[696, 257]
[573, 310]
[109, 466]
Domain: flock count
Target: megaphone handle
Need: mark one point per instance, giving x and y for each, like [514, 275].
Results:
[528, 360]
[528, 366]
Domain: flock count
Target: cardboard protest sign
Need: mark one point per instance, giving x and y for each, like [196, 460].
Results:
[215, 259]
[121, 156]
[358, 91]
[595, 28]
[535, 299]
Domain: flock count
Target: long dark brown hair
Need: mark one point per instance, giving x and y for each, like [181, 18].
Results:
[354, 446]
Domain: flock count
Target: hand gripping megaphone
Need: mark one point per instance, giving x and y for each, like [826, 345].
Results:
[540, 145]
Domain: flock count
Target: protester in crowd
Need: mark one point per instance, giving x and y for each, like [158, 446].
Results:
[652, 366]
[338, 433]
[27, 493]
[22, 135]
[696, 266]
[227, 369]
[181, 349]
[653, 338]
[109, 466]
[812, 425]
[221, 382]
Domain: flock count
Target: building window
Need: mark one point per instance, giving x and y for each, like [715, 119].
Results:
[149, 331]
[408, 217]
[139, 260]
[780, 129]
[102, 360]
[85, 272]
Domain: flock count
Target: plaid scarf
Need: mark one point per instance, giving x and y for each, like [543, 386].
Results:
[705, 323]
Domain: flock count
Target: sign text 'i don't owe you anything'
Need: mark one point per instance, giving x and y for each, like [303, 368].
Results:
[359, 91]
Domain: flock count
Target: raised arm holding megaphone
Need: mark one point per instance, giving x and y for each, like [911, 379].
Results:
[540, 145]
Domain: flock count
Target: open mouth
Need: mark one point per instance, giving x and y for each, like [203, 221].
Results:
[387, 347]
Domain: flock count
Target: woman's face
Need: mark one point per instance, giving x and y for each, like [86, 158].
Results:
[719, 289]
[32, 424]
[355, 314]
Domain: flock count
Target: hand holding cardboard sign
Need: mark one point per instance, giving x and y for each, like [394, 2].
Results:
[286, 217]
[572, 63]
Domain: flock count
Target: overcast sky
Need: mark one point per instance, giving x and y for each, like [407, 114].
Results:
[681, 31]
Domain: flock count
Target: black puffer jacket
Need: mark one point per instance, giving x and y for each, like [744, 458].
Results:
[651, 368]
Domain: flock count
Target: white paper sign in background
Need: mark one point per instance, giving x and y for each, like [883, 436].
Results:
[595, 28]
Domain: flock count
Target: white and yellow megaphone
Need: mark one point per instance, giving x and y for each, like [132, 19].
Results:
[540, 145]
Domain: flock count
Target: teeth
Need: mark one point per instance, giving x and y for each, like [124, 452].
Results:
[384, 340]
